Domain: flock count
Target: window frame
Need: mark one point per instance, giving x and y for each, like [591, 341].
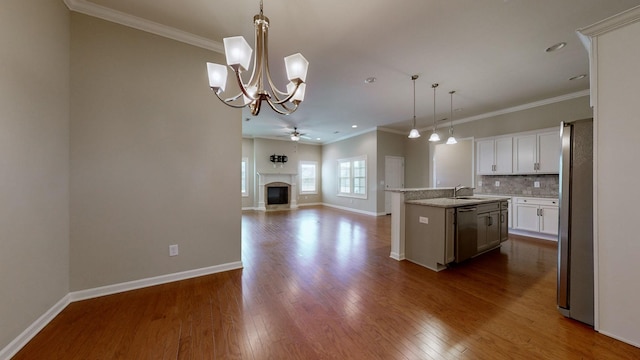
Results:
[351, 177]
[315, 177]
[244, 166]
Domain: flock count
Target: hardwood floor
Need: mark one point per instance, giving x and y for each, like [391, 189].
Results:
[318, 283]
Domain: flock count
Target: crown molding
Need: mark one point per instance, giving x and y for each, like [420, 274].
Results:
[611, 23]
[118, 17]
[527, 106]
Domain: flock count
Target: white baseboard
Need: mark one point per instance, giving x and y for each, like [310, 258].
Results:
[28, 334]
[19, 342]
[310, 204]
[157, 280]
[396, 256]
[534, 234]
[352, 210]
[620, 338]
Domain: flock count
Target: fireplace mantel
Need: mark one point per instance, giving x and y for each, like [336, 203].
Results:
[268, 178]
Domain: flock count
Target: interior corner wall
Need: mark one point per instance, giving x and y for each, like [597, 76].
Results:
[365, 144]
[154, 158]
[34, 161]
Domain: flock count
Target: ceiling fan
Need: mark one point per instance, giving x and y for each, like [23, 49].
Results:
[296, 135]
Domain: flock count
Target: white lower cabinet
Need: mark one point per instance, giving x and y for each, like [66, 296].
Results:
[536, 215]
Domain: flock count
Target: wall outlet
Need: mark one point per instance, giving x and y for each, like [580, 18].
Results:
[497, 183]
[424, 220]
[536, 184]
[479, 182]
[173, 250]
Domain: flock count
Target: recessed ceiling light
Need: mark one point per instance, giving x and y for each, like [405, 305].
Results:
[370, 80]
[555, 47]
[317, 138]
[354, 126]
[578, 77]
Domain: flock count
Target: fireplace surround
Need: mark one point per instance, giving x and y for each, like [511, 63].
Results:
[266, 180]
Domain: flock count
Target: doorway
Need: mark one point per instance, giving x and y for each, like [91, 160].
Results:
[393, 177]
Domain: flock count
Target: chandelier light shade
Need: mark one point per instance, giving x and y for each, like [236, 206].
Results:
[260, 86]
[451, 140]
[434, 135]
[414, 133]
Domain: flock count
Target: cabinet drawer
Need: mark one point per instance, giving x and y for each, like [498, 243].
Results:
[536, 201]
[483, 208]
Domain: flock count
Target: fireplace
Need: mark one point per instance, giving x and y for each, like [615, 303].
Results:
[277, 191]
[277, 195]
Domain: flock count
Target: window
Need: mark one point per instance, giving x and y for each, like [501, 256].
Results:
[352, 177]
[243, 177]
[308, 177]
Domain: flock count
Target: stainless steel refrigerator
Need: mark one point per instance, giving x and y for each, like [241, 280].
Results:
[575, 237]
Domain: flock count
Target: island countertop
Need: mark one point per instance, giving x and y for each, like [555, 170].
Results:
[453, 203]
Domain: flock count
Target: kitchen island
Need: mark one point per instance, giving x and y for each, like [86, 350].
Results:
[433, 227]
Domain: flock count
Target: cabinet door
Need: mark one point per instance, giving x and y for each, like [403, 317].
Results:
[504, 225]
[450, 236]
[485, 156]
[526, 217]
[493, 229]
[549, 148]
[550, 216]
[525, 148]
[504, 156]
[483, 224]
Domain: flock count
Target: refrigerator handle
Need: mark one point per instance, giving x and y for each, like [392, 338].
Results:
[566, 131]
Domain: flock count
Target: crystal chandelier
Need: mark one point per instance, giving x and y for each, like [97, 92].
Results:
[256, 90]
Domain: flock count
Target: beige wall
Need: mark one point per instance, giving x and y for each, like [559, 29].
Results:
[154, 158]
[365, 144]
[617, 139]
[258, 152]
[34, 161]
[419, 162]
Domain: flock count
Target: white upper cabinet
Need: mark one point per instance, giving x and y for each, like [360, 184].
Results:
[549, 149]
[537, 153]
[495, 156]
[524, 154]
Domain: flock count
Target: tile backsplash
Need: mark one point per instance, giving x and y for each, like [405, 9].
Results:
[522, 185]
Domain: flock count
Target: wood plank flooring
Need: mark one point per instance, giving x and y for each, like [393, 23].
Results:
[318, 283]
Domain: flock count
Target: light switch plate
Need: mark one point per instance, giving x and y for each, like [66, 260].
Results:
[173, 250]
[497, 183]
[536, 184]
[480, 183]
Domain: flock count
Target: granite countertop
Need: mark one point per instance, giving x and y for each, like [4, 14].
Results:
[452, 203]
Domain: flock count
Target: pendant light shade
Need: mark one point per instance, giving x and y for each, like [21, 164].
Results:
[451, 140]
[414, 133]
[434, 136]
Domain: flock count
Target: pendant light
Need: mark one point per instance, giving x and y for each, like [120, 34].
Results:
[414, 133]
[451, 140]
[434, 136]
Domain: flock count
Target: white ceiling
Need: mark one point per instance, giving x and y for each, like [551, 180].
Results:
[490, 51]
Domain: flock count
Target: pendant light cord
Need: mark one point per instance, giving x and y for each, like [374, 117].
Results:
[414, 77]
[434, 86]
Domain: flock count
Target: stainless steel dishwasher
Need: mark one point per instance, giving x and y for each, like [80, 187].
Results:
[466, 232]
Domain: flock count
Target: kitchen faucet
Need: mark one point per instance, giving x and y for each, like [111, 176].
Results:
[458, 188]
